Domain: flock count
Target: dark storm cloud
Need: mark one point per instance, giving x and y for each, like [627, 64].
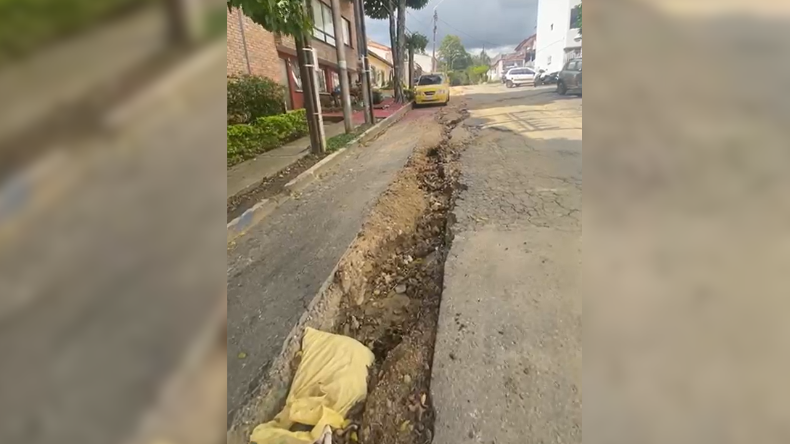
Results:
[499, 24]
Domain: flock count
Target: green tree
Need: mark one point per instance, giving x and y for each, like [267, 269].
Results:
[452, 53]
[482, 58]
[578, 22]
[415, 42]
[478, 73]
[287, 17]
[395, 12]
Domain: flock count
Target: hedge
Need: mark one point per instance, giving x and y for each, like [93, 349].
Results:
[251, 97]
[246, 141]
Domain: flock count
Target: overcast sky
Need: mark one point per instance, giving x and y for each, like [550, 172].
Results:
[497, 25]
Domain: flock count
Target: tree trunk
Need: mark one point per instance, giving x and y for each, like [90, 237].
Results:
[400, 49]
[395, 60]
[411, 69]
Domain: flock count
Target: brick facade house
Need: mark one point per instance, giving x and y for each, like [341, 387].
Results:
[254, 50]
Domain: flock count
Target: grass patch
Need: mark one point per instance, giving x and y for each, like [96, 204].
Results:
[335, 143]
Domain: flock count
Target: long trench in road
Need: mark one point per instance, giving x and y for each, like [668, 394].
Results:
[386, 294]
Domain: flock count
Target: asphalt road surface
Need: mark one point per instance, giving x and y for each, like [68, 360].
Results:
[508, 359]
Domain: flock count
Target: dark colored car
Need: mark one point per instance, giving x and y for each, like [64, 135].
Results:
[570, 78]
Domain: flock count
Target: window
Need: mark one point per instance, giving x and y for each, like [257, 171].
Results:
[430, 80]
[575, 13]
[335, 80]
[549, 60]
[321, 81]
[296, 75]
[552, 26]
[347, 33]
[324, 27]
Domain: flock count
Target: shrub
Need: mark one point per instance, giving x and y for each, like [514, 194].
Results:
[251, 97]
[246, 141]
[378, 97]
[459, 78]
[409, 94]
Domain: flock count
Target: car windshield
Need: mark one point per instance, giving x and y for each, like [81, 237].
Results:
[430, 80]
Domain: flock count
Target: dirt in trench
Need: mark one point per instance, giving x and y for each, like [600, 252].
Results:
[392, 284]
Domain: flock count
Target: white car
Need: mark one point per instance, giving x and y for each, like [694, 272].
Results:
[519, 76]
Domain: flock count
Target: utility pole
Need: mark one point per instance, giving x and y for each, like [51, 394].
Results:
[312, 104]
[313, 58]
[435, 19]
[316, 145]
[345, 92]
[367, 93]
[433, 57]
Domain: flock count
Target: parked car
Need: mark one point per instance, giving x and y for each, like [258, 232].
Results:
[432, 88]
[570, 78]
[519, 76]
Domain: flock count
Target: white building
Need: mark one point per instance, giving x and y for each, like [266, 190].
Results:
[557, 40]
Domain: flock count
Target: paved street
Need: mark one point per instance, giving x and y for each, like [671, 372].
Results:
[508, 359]
[276, 269]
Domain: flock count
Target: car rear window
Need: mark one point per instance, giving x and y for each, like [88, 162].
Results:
[430, 80]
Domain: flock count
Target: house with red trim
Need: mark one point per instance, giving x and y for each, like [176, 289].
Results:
[256, 51]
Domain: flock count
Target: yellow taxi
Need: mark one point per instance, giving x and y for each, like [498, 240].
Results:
[432, 88]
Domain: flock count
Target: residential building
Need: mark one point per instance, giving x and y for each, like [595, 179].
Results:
[527, 49]
[381, 70]
[558, 39]
[523, 55]
[384, 53]
[502, 63]
[254, 50]
[424, 61]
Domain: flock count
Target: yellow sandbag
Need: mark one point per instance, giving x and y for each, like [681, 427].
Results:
[331, 378]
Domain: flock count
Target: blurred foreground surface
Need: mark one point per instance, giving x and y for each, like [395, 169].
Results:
[112, 244]
[685, 223]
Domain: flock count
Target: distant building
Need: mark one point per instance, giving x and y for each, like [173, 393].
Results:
[558, 39]
[502, 63]
[380, 56]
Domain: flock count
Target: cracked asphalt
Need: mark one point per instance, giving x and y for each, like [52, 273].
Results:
[508, 359]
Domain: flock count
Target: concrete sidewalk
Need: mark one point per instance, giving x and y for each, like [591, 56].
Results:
[251, 172]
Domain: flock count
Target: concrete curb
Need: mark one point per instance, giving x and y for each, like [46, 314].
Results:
[251, 217]
[259, 211]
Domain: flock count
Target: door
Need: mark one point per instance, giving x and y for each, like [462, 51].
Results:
[568, 74]
[579, 74]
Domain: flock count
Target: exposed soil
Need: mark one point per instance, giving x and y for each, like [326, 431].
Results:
[269, 187]
[392, 284]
